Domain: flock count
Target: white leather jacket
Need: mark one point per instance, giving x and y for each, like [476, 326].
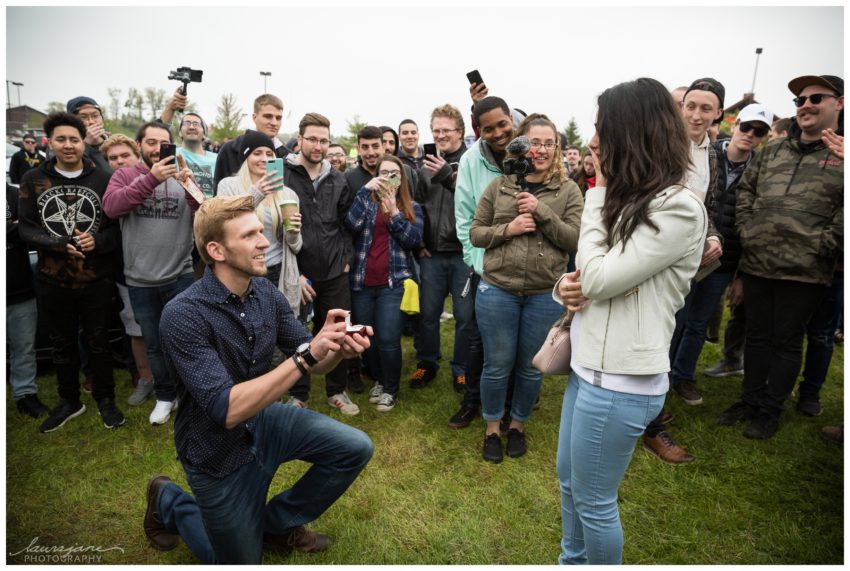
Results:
[635, 293]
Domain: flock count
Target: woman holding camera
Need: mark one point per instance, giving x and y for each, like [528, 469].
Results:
[528, 236]
[269, 194]
[641, 242]
[387, 226]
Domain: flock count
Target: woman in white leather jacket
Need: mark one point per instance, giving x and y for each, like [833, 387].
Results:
[640, 244]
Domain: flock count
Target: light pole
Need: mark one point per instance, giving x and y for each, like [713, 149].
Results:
[755, 72]
[266, 75]
[8, 98]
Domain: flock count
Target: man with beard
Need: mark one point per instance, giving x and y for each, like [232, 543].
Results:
[336, 156]
[61, 216]
[200, 161]
[156, 233]
[325, 257]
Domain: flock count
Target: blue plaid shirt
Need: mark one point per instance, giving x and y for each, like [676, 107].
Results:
[211, 340]
[404, 237]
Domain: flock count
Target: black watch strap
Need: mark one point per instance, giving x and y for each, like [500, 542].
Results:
[308, 357]
[298, 363]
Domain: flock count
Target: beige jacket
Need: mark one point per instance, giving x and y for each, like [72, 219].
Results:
[635, 293]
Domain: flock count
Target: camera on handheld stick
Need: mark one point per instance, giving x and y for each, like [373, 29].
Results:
[516, 162]
[187, 75]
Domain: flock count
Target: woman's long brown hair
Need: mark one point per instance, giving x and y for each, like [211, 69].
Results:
[402, 197]
[643, 148]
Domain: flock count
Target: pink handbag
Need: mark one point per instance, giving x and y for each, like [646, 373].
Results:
[553, 358]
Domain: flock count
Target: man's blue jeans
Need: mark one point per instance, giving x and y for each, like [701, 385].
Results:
[380, 307]
[513, 328]
[226, 520]
[599, 429]
[700, 304]
[21, 324]
[443, 274]
[148, 303]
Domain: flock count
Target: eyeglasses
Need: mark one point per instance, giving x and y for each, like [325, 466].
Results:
[815, 98]
[89, 116]
[441, 132]
[757, 131]
[390, 174]
[315, 141]
[192, 123]
[335, 155]
[548, 145]
[29, 142]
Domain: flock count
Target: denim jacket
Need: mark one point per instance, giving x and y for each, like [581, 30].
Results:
[404, 237]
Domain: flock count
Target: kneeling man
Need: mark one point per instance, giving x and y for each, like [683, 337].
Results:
[231, 431]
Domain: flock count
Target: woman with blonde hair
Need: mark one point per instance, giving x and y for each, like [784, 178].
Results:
[269, 194]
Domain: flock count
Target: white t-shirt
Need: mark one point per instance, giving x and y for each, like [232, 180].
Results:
[69, 174]
[699, 173]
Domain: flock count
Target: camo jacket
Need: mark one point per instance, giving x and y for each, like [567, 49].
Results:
[790, 212]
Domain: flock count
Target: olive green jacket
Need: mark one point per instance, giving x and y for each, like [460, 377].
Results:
[790, 213]
[530, 263]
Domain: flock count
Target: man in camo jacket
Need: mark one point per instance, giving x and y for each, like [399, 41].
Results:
[790, 217]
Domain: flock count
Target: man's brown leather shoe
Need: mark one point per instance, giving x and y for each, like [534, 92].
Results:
[662, 446]
[299, 538]
[158, 536]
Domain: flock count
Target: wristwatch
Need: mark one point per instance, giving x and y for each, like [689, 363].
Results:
[303, 351]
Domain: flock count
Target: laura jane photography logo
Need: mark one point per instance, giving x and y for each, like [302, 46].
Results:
[36, 552]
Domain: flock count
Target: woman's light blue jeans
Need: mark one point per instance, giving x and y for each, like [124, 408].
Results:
[513, 328]
[599, 429]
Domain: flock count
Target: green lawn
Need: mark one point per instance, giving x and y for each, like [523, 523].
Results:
[427, 497]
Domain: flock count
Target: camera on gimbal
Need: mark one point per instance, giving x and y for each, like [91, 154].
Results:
[520, 166]
[187, 75]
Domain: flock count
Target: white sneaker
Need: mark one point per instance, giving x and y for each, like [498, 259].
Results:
[162, 411]
[386, 403]
[375, 393]
[344, 404]
[296, 402]
[141, 393]
[445, 316]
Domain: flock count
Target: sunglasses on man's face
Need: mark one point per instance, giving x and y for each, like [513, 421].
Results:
[757, 131]
[815, 98]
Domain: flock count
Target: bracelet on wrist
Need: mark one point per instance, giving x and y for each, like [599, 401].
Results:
[300, 364]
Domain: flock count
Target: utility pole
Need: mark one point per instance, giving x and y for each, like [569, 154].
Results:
[19, 86]
[266, 75]
[755, 72]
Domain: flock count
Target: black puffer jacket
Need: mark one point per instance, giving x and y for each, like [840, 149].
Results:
[725, 199]
[437, 196]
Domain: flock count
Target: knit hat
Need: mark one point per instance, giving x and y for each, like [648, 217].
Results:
[708, 84]
[253, 140]
[77, 102]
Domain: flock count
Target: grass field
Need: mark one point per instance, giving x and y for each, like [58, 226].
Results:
[427, 497]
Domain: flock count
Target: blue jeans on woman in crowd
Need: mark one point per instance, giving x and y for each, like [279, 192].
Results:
[21, 324]
[226, 520]
[380, 307]
[513, 328]
[599, 429]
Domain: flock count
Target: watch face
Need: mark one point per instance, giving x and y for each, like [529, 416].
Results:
[303, 347]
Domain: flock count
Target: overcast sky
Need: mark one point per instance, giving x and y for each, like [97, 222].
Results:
[386, 64]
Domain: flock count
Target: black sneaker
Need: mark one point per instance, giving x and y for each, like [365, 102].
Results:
[810, 406]
[30, 405]
[62, 414]
[762, 427]
[110, 414]
[423, 375]
[736, 413]
[688, 391]
[492, 448]
[464, 416]
[516, 443]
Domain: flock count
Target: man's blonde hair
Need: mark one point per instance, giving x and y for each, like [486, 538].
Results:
[267, 99]
[210, 219]
[449, 112]
[119, 139]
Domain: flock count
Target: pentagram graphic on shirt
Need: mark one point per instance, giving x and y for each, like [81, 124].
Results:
[66, 207]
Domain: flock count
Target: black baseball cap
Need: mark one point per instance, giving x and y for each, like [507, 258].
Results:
[77, 102]
[832, 82]
[708, 84]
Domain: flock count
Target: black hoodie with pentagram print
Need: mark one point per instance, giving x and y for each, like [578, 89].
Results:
[51, 206]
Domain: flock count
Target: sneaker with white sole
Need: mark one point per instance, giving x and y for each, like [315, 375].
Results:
[375, 393]
[296, 402]
[162, 411]
[385, 403]
[143, 390]
[343, 403]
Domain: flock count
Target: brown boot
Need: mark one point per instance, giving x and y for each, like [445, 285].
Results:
[663, 446]
[833, 434]
[299, 538]
[158, 536]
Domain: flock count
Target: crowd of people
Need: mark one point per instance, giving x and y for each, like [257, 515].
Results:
[222, 260]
